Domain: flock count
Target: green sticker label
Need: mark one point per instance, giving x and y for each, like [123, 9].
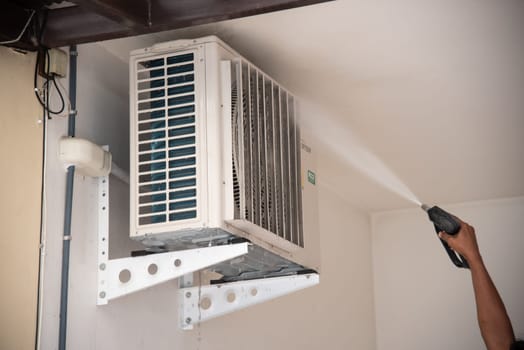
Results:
[311, 177]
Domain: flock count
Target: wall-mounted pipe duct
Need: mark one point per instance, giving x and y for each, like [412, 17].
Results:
[73, 53]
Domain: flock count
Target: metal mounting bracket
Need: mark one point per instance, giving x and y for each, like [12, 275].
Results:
[118, 277]
[198, 304]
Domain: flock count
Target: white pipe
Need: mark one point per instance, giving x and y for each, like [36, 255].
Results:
[43, 240]
[119, 173]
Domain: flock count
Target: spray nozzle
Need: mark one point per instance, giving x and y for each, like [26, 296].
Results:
[444, 221]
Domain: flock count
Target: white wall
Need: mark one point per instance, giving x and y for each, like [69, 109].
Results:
[338, 313]
[422, 301]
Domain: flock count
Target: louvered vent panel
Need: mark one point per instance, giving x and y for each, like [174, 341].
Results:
[167, 164]
[266, 154]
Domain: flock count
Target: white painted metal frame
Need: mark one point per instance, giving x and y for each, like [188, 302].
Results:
[202, 303]
[118, 277]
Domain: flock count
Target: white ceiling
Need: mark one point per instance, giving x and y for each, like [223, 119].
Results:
[435, 88]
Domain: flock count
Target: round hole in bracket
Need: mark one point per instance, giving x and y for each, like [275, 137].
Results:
[103, 208]
[103, 239]
[205, 303]
[102, 295]
[254, 291]
[178, 262]
[103, 253]
[103, 194]
[124, 276]
[152, 269]
[231, 297]
[103, 181]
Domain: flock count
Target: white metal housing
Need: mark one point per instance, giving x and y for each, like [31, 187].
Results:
[217, 153]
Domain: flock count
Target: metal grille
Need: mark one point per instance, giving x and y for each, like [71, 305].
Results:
[266, 154]
[165, 118]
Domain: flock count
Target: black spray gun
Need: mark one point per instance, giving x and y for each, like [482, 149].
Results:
[444, 221]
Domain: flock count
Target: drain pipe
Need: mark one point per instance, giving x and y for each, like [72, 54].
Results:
[73, 53]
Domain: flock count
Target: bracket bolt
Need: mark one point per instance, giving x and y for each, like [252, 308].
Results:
[188, 294]
[188, 320]
[102, 295]
[102, 266]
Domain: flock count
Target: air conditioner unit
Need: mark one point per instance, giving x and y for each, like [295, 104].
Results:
[217, 157]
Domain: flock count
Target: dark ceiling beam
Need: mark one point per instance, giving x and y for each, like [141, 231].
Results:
[166, 13]
[129, 13]
[76, 25]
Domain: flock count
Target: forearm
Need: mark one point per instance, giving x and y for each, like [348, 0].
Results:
[493, 319]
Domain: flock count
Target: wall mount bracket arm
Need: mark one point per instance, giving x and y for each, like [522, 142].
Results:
[119, 277]
[198, 304]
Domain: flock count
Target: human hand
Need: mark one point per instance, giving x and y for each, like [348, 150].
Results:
[464, 242]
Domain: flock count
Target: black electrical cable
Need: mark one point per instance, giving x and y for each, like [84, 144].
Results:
[35, 80]
[59, 94]
[48, 88]
[39, 29]
[46, 72]
[42, 50]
